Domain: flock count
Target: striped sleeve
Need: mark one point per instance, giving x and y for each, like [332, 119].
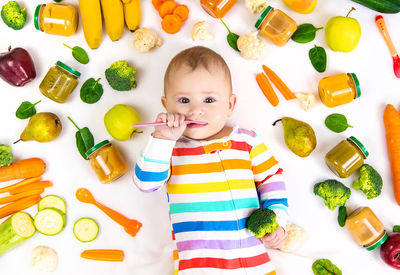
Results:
[269, 180]
[152, 169]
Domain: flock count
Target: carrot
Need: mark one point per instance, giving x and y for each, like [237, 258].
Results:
[19, 184]
[391, 119]
[111, 255]
[157, 3]
[33, 186]
[18, 196]
[19, 205]
[171, 23]
[182, 11]
[266, 88]
[166, 8]
[26, 168]
[285, 91]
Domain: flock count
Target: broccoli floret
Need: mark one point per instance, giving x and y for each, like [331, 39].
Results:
[121, 76]
[13, 15]
[369, 182]
[262, 222]
[333, 192]
[6, 156]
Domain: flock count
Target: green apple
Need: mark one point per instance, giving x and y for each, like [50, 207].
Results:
[118, 121]
[342, 33]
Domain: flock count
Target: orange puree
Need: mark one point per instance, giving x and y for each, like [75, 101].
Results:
[56, 19]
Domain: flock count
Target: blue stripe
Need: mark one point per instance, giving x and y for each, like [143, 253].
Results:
[214, 206]
[150, 176]
[278, 207]
[154, 160]
[275, 201]
[210, 226]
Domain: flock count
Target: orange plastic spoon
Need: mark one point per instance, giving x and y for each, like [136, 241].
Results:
[131, 226]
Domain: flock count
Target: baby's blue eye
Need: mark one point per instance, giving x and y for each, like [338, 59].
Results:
[184, 100]
[209, 100]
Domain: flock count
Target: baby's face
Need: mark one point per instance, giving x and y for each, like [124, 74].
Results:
[200, 95]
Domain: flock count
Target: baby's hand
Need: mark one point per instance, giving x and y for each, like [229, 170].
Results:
[174, 128]
[274, 240]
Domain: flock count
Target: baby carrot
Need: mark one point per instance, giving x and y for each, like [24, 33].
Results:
[166, 8]
[266, 88]
[111, 255]
[171, 23]
[157, 3]
[279, 84]
[19, 184]
[19, 205]
[26, 168]
[33, 186]
[182, 11]
[18, 196]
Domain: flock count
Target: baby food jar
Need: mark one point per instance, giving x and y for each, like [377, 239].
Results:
[106, 161]
[59, 82]
[217, 8]
[366, 228]
[56, 19]
[346, 157]
[339, 89]
[276, 26]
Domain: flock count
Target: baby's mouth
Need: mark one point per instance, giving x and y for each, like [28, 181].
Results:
[196, 124]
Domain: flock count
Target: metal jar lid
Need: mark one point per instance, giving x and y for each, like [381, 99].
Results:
[262, 16]
[378, 243]
[67, 68]
[36, 18]
[356, 84]
[359, 145]
[97, 147]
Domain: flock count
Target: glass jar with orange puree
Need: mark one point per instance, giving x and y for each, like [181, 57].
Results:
[217, 8]
[339, 89]
[56, 19]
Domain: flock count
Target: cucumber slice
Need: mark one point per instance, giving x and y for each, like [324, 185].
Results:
[49, 221]
[52, 201]
[86, 230]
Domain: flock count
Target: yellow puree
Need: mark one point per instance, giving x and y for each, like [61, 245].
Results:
[58, 19]
[277, 27]
[337, 89]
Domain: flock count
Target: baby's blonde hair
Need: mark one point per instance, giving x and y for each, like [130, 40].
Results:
[193, 58]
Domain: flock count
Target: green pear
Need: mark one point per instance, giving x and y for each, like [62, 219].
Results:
[118, 121]
[299, 136]
[42, 127]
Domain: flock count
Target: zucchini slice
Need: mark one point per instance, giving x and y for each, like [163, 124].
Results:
[49, 221]
[86, 230]
[52, 201]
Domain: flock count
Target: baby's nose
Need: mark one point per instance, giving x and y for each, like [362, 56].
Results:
[196, 111]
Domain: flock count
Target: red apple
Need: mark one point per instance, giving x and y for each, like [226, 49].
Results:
[16, 67]
[390, 251]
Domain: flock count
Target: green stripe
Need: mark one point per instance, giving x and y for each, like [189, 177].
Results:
[278, 207]
[154, 160]
[213, 206]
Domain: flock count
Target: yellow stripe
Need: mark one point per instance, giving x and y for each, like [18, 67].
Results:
[271, 273]
[176, 272]
[259, 149]
[210, 186]
[212, 167]
[265, 166]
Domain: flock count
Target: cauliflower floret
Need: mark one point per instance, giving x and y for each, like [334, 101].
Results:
[145, 39]
[256, 6]
[250, 46]
[295, 237]
[306, 100]
[44, 258]
[200, 31]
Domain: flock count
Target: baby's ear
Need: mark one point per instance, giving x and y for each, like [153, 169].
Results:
[232, 103]
[164, 101]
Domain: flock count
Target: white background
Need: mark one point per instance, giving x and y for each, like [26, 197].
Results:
[149, 251]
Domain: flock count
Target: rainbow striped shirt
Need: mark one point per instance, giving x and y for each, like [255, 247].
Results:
[213, 187]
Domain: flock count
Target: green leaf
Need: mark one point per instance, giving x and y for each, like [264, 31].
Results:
[26, 110]
[232, 38]
[317, 57]
[84, 139]
[325, 267]
[305, 33]
[79, 54]
[91, 91]
[396, 228]
[342, 217]
[337, 123]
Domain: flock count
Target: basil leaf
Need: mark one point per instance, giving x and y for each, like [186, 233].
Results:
[337, 123]
[91, 91]
[317, 57]
[305, 33]
[232, 38]
[84, 139]
[324, 267]
[342, 217]
[26, 110]
[79, 54]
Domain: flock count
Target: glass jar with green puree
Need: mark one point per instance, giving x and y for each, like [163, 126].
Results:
[346, 157]
[59, 82]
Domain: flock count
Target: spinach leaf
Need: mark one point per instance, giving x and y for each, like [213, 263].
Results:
[26, 110]
[396, 228]
[91, 91]
[317, 57]
[342, 217]
[79, 54]
[232, 38]
[305, 33]
[337, 123]
[84, 139]
[325, 267]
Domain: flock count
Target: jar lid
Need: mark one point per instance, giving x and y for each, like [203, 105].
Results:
[36, 18]
[67, 68]
[97, 147]
[378, 243]
[262, 16]
[357, 84]
[359, 145]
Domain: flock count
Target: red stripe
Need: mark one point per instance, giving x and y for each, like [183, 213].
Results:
[224, 263]
[237, 145]
[279, 172]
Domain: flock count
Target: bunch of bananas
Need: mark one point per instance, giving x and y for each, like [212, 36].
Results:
[115, 12]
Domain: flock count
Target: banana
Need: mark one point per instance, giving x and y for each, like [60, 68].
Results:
[92, 23]
[132, 14]
[113, 12]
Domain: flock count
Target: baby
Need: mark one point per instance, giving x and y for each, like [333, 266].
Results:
[216, 175]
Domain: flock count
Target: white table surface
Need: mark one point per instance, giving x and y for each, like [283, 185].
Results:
[149, 251]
